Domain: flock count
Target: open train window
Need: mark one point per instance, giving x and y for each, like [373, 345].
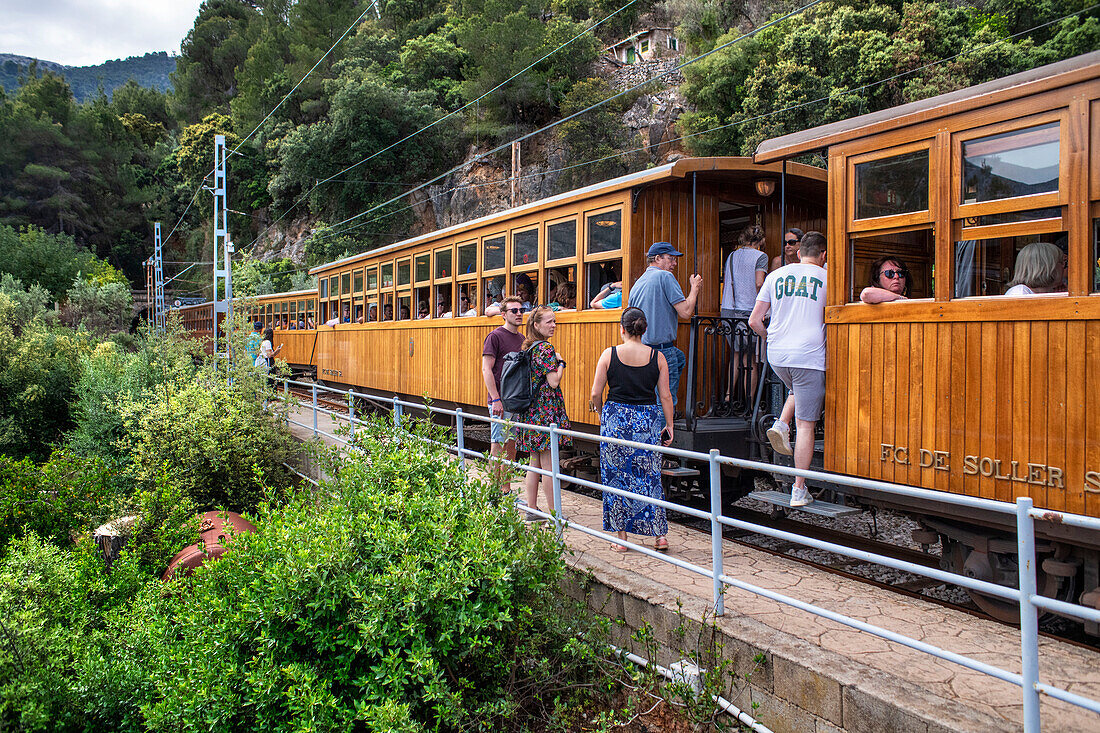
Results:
[525, 248]
[605, 232]
[1011, 164]
[387, 307]
[422, 299]
[912, 250]
[441, 302]
[995, 266]
[561, 240]
[599, 274]
[404, 307]
[558, 290]
[494, 291]
[467, 258]
[525, 286]
[467, 300]
[372, 311]
[357, 311]
[324, 311]
[492, 254]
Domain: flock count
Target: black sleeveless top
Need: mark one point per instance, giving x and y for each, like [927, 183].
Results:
[633, 385]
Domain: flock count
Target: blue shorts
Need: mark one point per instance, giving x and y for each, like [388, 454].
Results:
[499, 433]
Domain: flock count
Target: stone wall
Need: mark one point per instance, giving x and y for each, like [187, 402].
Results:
[630, 75]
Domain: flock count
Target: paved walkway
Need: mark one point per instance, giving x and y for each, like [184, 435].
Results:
[995, 704]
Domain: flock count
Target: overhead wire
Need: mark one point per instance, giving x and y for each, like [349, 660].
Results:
[736, 123]
[427, 127]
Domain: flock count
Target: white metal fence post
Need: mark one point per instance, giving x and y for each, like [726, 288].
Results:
[460, 438]
[555, 477]
[716, 531]
[1029, 617]
[351, 412]
[396, 412]
[314, 410]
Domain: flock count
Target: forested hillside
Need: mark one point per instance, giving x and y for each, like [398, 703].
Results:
[409, 95]
[153, 71]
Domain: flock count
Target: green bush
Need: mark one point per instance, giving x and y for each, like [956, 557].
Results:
[55, 500]
[217, 442]
[398, 597]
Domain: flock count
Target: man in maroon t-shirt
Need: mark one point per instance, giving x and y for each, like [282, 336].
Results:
[501, 341]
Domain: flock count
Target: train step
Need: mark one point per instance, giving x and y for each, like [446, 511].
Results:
[679, 472]
[820, 508]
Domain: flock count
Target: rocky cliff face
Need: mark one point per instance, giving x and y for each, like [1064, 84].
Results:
[483, 185]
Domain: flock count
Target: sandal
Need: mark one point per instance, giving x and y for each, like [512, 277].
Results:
[661, 545]
[620, 548]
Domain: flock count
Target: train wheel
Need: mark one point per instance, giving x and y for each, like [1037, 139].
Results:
[1056, 579]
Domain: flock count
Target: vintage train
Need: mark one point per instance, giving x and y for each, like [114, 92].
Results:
[958, 388]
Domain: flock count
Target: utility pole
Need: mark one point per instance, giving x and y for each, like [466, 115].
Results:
[223, 249]
[158, 278]
[516, 166]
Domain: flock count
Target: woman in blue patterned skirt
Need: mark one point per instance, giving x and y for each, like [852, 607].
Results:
[636, 375]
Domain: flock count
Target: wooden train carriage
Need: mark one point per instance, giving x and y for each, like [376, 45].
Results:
[590, 237]
[198, 321]
[962, 388]
[293, 317]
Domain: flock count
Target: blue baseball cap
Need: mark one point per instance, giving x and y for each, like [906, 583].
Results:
[258, 326]
[663, 248]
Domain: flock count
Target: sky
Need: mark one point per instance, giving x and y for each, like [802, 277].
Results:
[89, 32]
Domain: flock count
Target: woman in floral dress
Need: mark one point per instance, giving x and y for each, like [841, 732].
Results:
[637, 375]
[548, 407]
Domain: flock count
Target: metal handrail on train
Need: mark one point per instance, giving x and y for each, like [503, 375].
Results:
[1026, 594]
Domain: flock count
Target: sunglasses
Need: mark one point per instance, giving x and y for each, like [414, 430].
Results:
[792, 241]
[891, 274]
[513, 311]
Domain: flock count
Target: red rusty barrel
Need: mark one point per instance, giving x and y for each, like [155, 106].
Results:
[212, 530]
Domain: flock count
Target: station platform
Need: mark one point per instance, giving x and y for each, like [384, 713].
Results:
[815, 674]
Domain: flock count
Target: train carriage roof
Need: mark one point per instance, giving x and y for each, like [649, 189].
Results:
[1071, 71]
[733, 169]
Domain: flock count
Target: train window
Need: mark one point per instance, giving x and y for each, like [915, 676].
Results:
[561, 240]
[358, 281]
[525, 285]
[345, 283]
[605, 232]
[372, 311]
[333, 286]
[283, 307]
[372, 279]
[525, 247]
[404, 309]
[324, 312]
[492, 254]
[323, 286]
[1010, 164]
[387, 275]
[1095, 264]
[1013, 217]
[467, 258]
[357, 311]
[494, 291]
[423, 267]
[467, 300]
[442, 302]
[422, 299]
[345, 311]
[404, 272]
[443, 264]
[913, 251]
[600, 274]
[994, 266]
[894, 185]
[387, 307]
[556, 277]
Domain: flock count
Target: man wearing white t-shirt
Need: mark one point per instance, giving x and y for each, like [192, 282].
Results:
[795, 295]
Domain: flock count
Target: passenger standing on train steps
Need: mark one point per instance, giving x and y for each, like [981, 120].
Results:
[791, 239]
[742, 276]
[795, 295]
[658, 293]
[501, 341]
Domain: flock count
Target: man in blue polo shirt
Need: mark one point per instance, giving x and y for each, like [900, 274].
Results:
[658, 293]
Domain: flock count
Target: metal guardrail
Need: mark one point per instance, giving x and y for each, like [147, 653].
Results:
[1026, 594]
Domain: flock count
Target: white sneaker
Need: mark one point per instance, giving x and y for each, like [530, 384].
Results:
[779, 435]
[800, 496]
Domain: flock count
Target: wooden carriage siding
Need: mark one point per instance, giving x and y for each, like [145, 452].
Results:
[441, 357]
[987, 396]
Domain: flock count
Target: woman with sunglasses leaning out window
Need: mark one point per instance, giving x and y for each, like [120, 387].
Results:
[889, 281]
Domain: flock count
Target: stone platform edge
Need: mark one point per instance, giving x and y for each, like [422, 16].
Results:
[799, 686]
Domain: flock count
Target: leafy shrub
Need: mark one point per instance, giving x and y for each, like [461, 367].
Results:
[102, 308]
[54, 500]
[217, 442]
[398, 597]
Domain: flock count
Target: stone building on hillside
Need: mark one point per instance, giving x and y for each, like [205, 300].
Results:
[646, 45]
